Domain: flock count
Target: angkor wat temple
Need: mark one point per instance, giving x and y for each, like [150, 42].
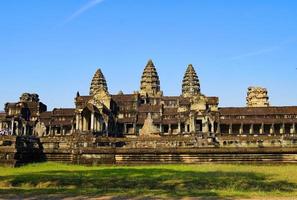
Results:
[147, 126]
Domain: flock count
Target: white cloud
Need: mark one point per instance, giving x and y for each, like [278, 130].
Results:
[264, 50]
[255, 53]
[82, 10]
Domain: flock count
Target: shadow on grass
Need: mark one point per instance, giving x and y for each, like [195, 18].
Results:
[147, 182]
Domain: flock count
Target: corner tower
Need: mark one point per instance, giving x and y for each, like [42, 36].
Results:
[98, 83]
[257, 97]
[150, 83]
[190, 85]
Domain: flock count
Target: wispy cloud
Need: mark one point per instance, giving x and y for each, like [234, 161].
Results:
[82, 10]
[264, 50]
[255, 53]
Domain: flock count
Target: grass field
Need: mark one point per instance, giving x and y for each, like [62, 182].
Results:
[161, 181]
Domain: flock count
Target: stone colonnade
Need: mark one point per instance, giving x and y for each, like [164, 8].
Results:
[260, 128]
[60, 130]
[175, 127]
[91, 121]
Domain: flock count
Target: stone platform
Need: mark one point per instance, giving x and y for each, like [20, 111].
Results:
[89, 150]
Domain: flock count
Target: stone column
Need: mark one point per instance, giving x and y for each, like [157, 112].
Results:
[92, 122]
[282, 129]
[98, 124]
[219, 128]
[205, 127]
[293, 128]
[262, 128]
[77, 122]
[63, 130]
[241, 129]
[272, 129]
[12, 126]
[161, 128]
[81, 123]
[72, 129]
[25, 129]
[212, 127]
[134, 128]
[252, 129]
[1, 126]
[17, 128]
[230, 128]
[85, 127]
[179, 128]
[169, 129]
[193, 128]
[191, 122]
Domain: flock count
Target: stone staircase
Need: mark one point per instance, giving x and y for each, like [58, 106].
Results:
[59, 157]
[205, 158]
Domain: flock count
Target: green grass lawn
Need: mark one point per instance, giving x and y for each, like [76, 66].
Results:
[162, 181]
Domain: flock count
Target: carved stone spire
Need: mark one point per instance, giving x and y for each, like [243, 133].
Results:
[191, 85]
[150, 83]
[98, 83]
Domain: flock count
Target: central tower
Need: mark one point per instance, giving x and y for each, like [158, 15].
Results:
[150, 83]
[98, 83]
[191, 85]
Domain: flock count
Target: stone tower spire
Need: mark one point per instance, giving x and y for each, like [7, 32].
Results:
[98, 83]
[150, 83]
[191, 85]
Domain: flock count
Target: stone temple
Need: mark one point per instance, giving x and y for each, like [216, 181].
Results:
[146, 119]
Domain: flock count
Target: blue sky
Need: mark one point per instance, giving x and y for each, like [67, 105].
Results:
[53, 47]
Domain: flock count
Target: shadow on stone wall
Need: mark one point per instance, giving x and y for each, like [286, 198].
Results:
[28, 150]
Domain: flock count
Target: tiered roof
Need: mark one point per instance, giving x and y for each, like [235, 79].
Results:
[98, 83]
[191, 85]
[150, 83]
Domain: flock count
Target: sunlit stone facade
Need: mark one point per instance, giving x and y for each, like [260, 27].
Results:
[123, 115]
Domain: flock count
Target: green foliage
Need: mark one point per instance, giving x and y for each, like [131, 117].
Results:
[162, 181]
